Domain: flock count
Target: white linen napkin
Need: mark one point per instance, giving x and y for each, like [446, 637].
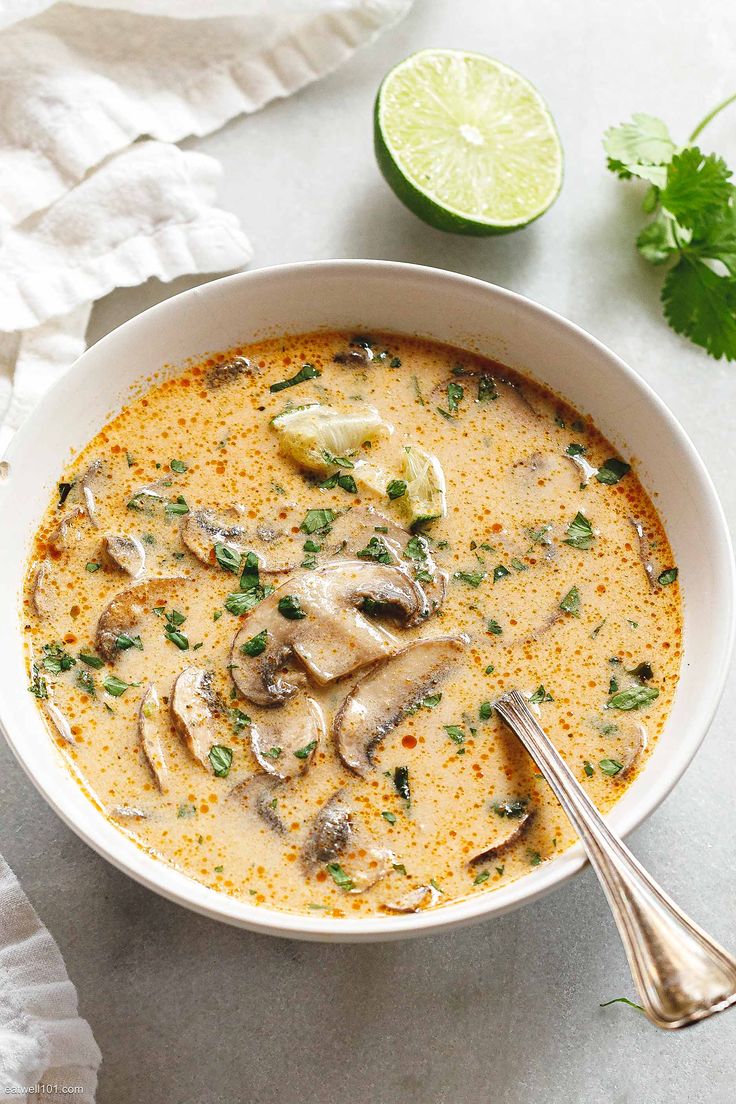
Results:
[43, 1040]
[82, 210]
[93, 196]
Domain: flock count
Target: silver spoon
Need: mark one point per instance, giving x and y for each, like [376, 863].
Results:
[681, 974]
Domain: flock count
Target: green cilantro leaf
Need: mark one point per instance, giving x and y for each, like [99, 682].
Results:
[221, 759]
[701, 305]
[579, 533]
[697, 187]
[634, 147]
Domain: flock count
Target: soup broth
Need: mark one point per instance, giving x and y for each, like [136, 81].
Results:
[270, 609]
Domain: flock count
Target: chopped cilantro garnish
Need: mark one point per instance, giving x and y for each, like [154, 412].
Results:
[306, 372]
[306, 751]
[114, 685]
[571, 602]
[256, 645]
[290, 607]
[401, 783]
[472, 578]
[221, 759]
[635, 697]
[339, 877]
[228, 558]
[579, 533]
[396, 488]
[375, 550]
[612, 471]
[318, 521]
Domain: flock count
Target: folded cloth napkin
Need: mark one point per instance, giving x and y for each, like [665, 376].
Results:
[43, 1040]
[82, 209]
[93, 196]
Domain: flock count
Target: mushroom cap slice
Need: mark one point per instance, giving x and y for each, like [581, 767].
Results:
[129, 812]
[61, 536]
[352, 532]
[149, 734]
[259, 795]
[515, 830]
[380, 700]
[285, 747]
[123, 614]
[193, 708]
[335, 835]
[331, 833]
[202, 529]
[59, 721]
[333, 638]
[221, 374]
[634, 741]
[424, 896]
[127, 553]
[40, 596]
[86, 484]
[644, 551]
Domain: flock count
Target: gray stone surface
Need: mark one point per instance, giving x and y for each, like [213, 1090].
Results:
[190, 1012]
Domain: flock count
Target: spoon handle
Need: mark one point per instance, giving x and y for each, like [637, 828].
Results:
[681, 974]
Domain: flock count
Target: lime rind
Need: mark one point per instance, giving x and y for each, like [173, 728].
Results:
[466, 143]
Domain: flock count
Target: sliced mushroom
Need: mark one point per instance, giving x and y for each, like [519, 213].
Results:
[381, 700]
[259, 795]
[353, 531]
[59, 722]
[357, 354]
[515, 830]
[127, 553]
[585, 469]
[61, 536]
[124, 613]
[202, 529]
[554, 617]
[86, 484]
[332, 638]
[415, 900]
[194, 707]
[480, 388]
[129, 812]
[160, 488]
[644, 552]
[149, 734]
[229, 370]
[335, 837]
[286, 748]
[40, 596]
[634, 741]
[331, 832]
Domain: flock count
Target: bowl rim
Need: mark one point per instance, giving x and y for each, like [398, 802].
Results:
[149, 871]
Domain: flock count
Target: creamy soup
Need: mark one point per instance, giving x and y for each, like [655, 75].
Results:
[273, 602]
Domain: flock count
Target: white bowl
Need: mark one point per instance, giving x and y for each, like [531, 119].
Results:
[372, 295]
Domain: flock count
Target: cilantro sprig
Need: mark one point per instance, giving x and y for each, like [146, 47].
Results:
[692, 201]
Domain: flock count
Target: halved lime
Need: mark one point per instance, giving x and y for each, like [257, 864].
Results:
[466, 143]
